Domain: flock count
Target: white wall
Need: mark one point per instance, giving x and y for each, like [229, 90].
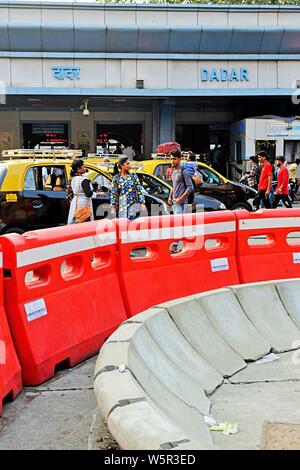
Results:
[157, 74]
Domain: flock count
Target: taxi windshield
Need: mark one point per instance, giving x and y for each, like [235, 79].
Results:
[3, 171]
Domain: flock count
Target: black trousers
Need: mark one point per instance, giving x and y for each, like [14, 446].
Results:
[281, 197]
[262, 197]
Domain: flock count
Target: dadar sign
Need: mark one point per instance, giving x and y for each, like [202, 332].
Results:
[224, 74]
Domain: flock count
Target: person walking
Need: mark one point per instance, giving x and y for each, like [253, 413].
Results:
[265, 179]
[182, 184]
[127, 197]
[253, 173]
[282, 188]
[294, 177]
[81, 190]
[129, 152]
[216, 158]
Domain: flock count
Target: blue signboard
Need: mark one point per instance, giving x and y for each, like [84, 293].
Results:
[225, 74]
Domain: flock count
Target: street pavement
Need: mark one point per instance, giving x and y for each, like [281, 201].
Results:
[60, 414]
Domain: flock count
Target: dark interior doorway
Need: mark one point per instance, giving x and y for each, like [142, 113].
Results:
[45, 135]
[124, 134]
[193, 137]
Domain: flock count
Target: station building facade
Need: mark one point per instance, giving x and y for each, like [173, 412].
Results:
[145, 74]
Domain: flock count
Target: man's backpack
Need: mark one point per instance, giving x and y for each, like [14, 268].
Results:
[191, 196]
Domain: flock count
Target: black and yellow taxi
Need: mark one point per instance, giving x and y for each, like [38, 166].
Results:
[231, 194]
[33, 193]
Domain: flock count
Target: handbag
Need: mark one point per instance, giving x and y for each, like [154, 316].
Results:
[82, 213]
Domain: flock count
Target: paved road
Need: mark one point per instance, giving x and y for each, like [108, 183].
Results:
[59, 414]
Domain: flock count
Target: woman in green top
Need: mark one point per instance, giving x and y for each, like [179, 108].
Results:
[127, 197]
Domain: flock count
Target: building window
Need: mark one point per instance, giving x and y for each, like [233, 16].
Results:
[268, 146]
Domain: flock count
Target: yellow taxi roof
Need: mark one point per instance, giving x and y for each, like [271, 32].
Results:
[150, 165]
[16, 169]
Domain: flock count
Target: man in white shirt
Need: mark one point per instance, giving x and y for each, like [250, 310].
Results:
[129, 152]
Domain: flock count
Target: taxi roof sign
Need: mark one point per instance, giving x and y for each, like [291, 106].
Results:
[40, 154]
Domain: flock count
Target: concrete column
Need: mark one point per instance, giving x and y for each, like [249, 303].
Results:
[167, 121]
[279, 147]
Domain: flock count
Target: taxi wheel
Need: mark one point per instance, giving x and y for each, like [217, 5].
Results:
[241, 206]
[18, 230]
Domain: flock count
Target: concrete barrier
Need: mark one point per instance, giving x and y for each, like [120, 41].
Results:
[289, 295]
[196, 327]
[227, 316]
[156, 374]
[262, 305]
[174, 345]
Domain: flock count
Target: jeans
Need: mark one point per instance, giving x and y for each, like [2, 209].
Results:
[281, 197]
[178, 209]
[262, 197]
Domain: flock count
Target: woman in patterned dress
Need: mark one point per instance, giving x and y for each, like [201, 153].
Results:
[127, 197]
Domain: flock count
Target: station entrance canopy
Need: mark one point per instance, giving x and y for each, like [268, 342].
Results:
[148, 50]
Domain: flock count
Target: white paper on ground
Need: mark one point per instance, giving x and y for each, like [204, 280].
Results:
[268, 358]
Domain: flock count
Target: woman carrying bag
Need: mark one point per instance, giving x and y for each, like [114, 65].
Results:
[80, 192]
[127, 197]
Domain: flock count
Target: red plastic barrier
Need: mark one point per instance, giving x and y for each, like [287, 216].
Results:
[10, 370]
[66, 294]
[160, 276]
[263, 251]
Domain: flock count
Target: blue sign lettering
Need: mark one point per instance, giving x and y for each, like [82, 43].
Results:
[204, 74]
[234, 75]
[60, 73]
[225, 74]
[244, 75]
[214, 75]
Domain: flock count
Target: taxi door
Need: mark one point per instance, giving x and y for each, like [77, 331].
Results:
[44, 196]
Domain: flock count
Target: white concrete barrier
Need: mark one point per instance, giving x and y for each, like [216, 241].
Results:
[227, 316]
[204, 338]
[177, 348]
[262, 305]
[289, 293]
[154, 375]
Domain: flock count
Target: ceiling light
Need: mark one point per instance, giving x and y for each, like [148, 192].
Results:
[84, 107]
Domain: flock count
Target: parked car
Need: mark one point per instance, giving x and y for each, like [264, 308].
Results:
[232, 195]
[33, 194]
[161, 189]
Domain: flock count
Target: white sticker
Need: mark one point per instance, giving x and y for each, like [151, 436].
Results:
[219, 264]
[35, 309]
[296, 257]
